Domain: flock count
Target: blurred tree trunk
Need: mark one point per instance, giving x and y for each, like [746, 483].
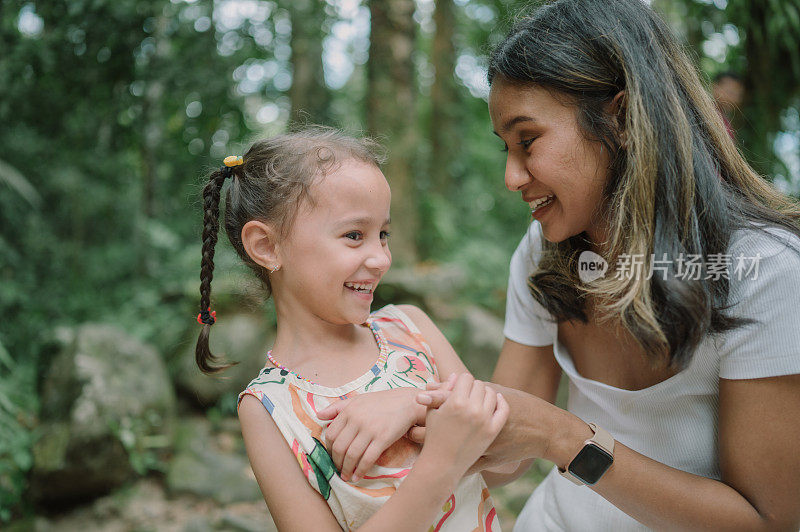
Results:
[152, 140]
[772, 31]
[685, 17]
[769, 32]
[309, 95]
[761, 105]
[391, 112]
[444, 99]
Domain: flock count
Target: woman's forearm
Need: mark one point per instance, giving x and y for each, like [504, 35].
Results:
[532, 427]
[505, 474]
[656, 495]
[662, 497]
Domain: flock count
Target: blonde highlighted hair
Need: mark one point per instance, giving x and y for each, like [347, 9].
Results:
[679, 185]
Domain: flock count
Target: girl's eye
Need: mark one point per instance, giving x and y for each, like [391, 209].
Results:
[385, 235]
[353, 235]
[527, 142]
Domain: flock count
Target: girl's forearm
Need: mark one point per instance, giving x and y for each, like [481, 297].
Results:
[418, 499]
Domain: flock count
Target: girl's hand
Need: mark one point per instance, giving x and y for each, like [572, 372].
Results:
[436, 392]
[364, 426]
[435, 395]
[507, 447]
[461, 429]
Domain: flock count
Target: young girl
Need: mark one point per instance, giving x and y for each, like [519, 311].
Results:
[309, 213]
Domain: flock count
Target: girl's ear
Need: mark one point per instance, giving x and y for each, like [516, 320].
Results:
[261, 244]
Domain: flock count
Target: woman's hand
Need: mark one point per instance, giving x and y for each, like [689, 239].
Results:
[364, 426]
[461, 429]
[510, 445]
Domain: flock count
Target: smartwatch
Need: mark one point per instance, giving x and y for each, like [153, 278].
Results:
[593, 460]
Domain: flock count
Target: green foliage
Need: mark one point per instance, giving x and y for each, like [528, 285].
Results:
[225, 408]
[18, 404]
[98, 181]
[146, 452]
[760, 44]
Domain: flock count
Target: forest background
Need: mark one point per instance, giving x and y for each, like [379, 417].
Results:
[113, 112]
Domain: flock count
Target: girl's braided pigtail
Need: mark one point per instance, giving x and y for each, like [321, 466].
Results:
[211, 194]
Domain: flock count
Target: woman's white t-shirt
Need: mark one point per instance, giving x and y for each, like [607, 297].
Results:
[674, 421]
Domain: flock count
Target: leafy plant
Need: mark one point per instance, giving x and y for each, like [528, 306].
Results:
[17, 406]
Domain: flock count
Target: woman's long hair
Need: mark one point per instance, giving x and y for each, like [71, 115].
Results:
[678, 186]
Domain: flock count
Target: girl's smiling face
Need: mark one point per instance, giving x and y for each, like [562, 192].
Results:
[337, 250]
[559, 173]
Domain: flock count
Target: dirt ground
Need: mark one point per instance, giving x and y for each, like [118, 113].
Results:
[145, 506]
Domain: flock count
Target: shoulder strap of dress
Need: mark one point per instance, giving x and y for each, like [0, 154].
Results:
[393, 312]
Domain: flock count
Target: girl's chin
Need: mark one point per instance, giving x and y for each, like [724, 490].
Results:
[359, 316]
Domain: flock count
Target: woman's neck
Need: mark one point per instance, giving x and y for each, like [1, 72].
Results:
[597, 237]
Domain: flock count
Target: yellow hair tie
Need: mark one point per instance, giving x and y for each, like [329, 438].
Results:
[233, 160]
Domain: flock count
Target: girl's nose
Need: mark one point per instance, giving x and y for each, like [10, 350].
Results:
[379, 258]
[517, 174]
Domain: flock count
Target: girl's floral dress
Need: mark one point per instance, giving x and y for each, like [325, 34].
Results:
[405, 360]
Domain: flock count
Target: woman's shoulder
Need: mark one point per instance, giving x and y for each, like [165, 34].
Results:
[763, 260]
[763, 255]
[765, 290]
[765, 242]
[526, 256]
[532, 240]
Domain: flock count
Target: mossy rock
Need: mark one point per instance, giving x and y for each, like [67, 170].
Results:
[107, 407]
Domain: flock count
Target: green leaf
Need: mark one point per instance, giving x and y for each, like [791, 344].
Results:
[775, 7]
[793, 14]
[14, 179]
[5, 357]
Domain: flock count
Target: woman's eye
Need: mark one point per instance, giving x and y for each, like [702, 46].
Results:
[527, 142]
[353, 235]
[385, 235]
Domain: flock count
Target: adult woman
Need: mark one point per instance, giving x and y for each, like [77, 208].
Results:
[617, 147]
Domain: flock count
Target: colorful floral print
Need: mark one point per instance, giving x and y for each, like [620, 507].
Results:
[405, 360]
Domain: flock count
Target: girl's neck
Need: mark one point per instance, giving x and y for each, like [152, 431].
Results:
[302, 336]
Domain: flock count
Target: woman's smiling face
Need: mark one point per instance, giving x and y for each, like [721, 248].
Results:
[559, 173]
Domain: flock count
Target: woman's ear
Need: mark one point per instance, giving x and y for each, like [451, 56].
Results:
[261, 244]
[618, 108]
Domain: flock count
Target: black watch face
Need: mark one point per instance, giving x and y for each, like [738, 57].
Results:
[591, 463]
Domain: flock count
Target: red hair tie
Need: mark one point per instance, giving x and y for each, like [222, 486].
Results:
[207, 317]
